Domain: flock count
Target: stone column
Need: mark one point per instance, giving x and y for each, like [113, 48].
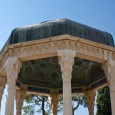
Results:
[66, 60]
[109, 68]
[13, 66]
[20, 94]
[54, 103]
[2, 86]
[90, 98]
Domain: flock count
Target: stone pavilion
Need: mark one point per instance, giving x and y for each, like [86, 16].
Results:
[58, 57]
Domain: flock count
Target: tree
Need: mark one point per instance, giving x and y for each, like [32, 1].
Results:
[36, 104]
[103, 102]
[77, 101]
[41, 104]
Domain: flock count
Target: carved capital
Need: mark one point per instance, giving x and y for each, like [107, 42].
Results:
[66, 61]
[109, 68]
[12, 66]
[90, 95]
[90, 98]
[20, 94]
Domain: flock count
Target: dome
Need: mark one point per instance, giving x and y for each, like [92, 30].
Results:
[59, 27]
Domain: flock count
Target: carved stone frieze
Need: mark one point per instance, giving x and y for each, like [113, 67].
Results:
[47, 48]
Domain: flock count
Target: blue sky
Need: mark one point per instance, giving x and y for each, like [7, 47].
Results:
[18, 13]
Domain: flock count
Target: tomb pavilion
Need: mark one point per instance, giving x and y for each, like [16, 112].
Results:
[58, 57]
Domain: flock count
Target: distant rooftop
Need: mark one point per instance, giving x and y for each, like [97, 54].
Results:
[59, 27]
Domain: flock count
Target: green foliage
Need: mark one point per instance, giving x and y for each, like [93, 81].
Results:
[60, 104]
[103, 102]
[77, 101]
[29, 110]
[36, 104]
[40, 104]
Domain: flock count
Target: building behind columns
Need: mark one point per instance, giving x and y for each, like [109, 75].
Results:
[57, 57]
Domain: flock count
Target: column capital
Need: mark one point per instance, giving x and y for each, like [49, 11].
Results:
[13, 64]
[66, 61]
[90, 95]
[20, 94]
[109, 69]
[90, 98]
[66, 55]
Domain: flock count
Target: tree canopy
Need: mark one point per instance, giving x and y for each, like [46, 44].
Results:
[41, 104]
[36, 104]
[103, 102]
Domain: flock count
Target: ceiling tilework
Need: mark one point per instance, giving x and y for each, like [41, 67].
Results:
[47, 73]
[44, 72]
